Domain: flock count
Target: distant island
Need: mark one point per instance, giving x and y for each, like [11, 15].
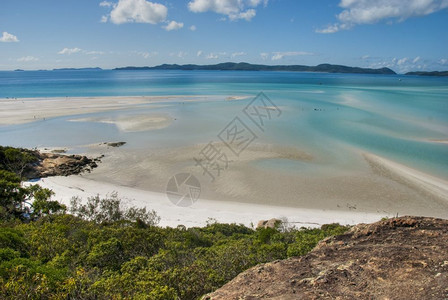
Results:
[242, 66]
[230, 66]
[433, 73]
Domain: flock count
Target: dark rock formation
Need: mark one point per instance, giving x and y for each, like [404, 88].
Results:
[115, 144]
[400, 258]
[51, 164]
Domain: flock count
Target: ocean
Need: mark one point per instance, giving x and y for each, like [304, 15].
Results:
[395, 116]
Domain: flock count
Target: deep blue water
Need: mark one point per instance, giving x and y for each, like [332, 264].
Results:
[32, 84]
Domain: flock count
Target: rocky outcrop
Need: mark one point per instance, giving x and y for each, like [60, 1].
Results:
[51, 164]
[399, 258]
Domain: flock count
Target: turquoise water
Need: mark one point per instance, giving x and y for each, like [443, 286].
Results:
[392, 116]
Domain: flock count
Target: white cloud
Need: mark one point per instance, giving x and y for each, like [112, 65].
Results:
[264, 55]
[138, 11]
[246, 15]
[443, 61]
[106, 4]
[69, 51]
[281, 55]
[147, 55]
[233, 9]
[357, 12]
[212, 56]
[403, 65]
[173, 25]
[216, 55]
[27, 59]
[93, 52]
[193, 28]
[402, 61]
[8, 38]
[199, 53]
[104, 19]
[334, 28]
[364, 57]
[235, 54]
[179, 54]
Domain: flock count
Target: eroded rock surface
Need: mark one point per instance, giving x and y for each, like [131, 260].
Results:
[399, 258]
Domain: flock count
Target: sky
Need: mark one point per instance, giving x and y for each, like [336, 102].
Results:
[404, 35]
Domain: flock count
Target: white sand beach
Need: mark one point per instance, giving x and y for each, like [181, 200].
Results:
[315, 187]
[249, 214]
[203, 210]
[265, 181]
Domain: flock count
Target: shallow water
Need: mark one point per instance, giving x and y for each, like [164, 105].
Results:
[332, 116]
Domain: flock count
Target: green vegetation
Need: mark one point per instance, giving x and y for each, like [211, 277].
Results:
[104, 250]
[16, 201]
[16, 160]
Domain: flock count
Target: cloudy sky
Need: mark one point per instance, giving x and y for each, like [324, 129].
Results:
[404, 35]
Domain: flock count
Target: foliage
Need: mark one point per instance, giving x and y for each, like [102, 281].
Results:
[31, 202]
[16, 160]
[66, 257]
[306, 239]
[104, 250]
[110, 209]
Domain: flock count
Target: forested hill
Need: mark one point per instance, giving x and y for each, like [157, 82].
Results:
[434, 73]
[230, 66]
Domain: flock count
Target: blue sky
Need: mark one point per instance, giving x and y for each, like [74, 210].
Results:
[404, 35]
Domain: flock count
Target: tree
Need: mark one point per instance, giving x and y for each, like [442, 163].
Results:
[25, 203]
[110, 210]
[16, 160]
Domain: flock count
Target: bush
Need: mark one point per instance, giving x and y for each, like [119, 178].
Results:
[110, 210]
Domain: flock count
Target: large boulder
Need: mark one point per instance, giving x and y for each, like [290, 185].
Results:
[272, 223]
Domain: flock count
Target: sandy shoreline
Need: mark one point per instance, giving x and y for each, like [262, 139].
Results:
[203, 210]
[307, 184]
[248, 213]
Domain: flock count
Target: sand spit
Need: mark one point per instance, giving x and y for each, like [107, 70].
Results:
[424, 183]
[133, 123]
[20, 111]
[439, 141]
